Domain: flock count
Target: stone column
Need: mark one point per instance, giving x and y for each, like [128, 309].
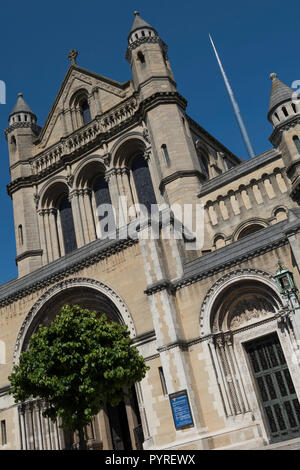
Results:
[241, 204]
[251, 196]
[221, 379]
[262, 189]
[274, 184]
[128, 191]
[83, 213]
[237, 379]
[53, 231]
[87, 193]
[217, 210]
[43, 242]
[77, 218]
[48, 235]
[227, 204]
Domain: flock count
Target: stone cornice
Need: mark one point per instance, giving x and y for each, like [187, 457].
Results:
[145, 40]
[62, 267]
[179, 174]
[28, 254]
[21, 125]
[275, 137]
[163, 284]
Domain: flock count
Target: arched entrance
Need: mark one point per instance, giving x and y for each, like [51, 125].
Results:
[114, 428]
[252, 343]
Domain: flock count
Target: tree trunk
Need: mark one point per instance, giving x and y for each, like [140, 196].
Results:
[82, 441]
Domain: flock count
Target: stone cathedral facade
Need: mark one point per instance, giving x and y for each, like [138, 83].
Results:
[219, 324]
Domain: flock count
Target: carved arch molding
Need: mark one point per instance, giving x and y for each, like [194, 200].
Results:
[103, 295]
[241, 296]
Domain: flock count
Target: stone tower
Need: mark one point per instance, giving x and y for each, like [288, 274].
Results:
[166, 118]
[20, 134]
[284, 114]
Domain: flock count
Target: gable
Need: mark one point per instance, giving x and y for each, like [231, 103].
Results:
[104, 93]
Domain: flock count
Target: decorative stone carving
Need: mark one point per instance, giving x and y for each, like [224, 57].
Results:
[236, 274]
[70, 180]
[36, 199]
[72, 56]
[250, 310]
[146, 135]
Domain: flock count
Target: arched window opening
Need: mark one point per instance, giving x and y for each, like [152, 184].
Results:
[105, 213]
[249, 230]
[284, 110]
[143, 182]
[85, 111]
[13, 143]
[20, 235]
[294, 107]
[219, 242]
[166, 155]
[277, 117]
[203, 161]
[297, 142]
[141, 58]
[67, 225]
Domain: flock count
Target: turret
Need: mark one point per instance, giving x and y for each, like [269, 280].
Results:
[172, 149]
[147, 55]
[284, 114]
[20, 134]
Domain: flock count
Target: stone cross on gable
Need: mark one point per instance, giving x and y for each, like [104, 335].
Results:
[72, 56]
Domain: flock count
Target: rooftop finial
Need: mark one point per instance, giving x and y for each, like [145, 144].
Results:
[20, 94]
[273, 75]
[136, 13]
[72, 56]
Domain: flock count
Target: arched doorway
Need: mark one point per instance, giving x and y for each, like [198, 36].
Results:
[114, 428]
[252, 352]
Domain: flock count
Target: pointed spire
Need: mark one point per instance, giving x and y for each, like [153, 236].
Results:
[139, 23]
[21, 106]
[21, 113]
[280, 93]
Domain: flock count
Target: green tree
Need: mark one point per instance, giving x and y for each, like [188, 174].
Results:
[76, 364]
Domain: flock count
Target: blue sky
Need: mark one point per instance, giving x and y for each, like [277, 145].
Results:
[253, 39]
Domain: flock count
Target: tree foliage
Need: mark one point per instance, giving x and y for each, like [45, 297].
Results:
[76, 364]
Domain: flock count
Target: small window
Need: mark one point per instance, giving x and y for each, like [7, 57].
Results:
[3, 432]
[294, 108]
[25, 117]
[141, 57]
[297, 142]
[136, 36]
[19, 118]
[166, 155]
[276, 115]
[13, 143]
[143, 33]
[20, 234]
[285, 111]
[163, 381]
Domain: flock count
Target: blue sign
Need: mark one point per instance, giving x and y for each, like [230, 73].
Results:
[181, 409]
